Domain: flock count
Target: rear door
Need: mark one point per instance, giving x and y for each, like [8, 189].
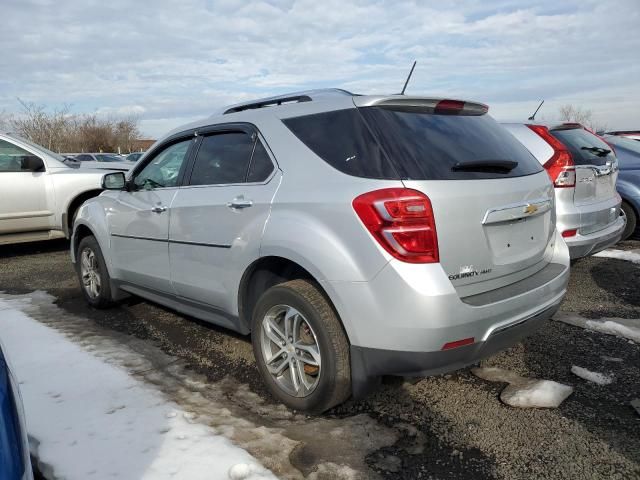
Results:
[596, 165]
[492, 201]
[218, 217]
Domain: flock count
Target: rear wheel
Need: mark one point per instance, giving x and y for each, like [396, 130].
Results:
[300, 347]
[92, 273]
[632, 220]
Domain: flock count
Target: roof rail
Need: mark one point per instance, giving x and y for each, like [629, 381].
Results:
[268, 103]
[297, 97]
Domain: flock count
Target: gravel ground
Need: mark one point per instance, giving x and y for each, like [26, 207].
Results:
[452, 426]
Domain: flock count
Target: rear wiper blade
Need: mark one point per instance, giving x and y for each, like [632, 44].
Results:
[489, 166]
[599, 151]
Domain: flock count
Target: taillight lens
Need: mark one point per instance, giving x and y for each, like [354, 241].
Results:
[560, 167]
[402, 222]
[570, 233]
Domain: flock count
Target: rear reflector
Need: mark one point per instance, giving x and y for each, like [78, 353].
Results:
[402, 222]
[570, 233]
[560, 166]
[458, 343]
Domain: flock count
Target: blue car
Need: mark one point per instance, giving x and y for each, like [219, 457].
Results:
[14, 450]
[628, 153]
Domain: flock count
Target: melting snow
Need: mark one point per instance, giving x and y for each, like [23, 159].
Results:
[629, 255]
[90, 418]
[525, 392]
[595, 377]
[620, 327]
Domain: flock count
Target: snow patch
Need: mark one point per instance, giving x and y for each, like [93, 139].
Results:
[93, 419]
[629, 255]
[595, 377]
[628, 328]
[525, 392]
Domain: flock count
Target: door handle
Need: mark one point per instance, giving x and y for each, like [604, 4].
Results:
[159, 209]
[240, 202]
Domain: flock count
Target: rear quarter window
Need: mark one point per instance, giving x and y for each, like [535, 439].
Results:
[342, 139]
[585, 147]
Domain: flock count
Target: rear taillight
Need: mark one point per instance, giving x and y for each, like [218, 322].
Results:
[402, 222]
[570, 233]
[560, 166]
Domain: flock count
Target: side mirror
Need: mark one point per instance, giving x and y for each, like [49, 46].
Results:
[31, 163]
[114, 181]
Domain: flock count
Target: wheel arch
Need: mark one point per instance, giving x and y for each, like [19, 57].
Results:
[268, 271]
[72, 208]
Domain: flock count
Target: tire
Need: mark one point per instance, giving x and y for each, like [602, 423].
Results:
[632, 220]
[99, 297]
[318, 332]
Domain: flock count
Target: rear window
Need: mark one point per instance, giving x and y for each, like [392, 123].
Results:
[380, 143]
[585, 147]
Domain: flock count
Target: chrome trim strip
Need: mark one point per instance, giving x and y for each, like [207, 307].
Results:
[178, 242]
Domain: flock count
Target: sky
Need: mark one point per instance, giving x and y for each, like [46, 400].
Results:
[168, 63]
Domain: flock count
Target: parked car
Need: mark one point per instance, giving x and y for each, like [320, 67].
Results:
[352, 236]
[109, 161]
[40, 194]
[630, 134]
[583, 169]
[628, 185]
[134, 157]
[15, 463]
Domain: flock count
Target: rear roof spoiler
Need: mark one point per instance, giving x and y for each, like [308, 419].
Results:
[423, 104]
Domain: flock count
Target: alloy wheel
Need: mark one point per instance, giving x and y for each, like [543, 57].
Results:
[290, 350]
[89, 270]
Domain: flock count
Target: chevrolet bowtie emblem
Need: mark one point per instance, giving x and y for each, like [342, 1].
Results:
[530, 209]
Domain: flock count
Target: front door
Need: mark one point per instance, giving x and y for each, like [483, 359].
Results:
[23, 193]
[139, 223]
[219, 215]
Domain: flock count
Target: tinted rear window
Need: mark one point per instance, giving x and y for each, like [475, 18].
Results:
[585, 147]
[381, 143]
[342, 139]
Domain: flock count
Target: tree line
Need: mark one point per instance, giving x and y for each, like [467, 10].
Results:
[61, 131]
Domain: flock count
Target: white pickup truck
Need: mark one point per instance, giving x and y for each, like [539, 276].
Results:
[39, 194]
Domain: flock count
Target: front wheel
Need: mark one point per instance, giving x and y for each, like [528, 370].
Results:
[92, 273]
[632, 220]
[300, 347]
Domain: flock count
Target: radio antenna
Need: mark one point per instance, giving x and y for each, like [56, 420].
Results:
[408, 78]
[533, 117]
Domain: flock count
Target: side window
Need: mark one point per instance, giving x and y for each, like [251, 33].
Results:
[222, 159]
[164, 169]
[13, 158]
[261, 166]
[84, 158]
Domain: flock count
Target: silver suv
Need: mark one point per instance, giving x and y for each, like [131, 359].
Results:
[352, 236]
[584, 170]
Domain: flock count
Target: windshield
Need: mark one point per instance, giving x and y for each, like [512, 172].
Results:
[40, 148]
[102, 157]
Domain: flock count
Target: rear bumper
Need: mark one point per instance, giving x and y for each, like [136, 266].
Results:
[368, 364]
[598, 225]
[583, 245]
[399, 321]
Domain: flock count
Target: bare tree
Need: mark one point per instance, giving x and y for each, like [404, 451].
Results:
[62, 131]
[571, 113]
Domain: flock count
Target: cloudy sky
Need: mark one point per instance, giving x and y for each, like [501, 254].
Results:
[172, 62]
